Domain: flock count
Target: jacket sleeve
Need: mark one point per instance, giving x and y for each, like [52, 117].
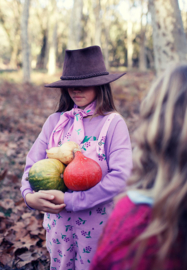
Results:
[38, 151]
[119, 158]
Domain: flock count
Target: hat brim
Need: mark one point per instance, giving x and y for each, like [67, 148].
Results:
[93, 81]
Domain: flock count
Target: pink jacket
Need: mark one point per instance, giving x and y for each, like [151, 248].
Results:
[128, 221]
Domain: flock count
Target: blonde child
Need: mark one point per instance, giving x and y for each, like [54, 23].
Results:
[147, 229]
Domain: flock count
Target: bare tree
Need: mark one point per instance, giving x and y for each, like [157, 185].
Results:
[108, 12]
[129, 43]
[13, 30]
[75, 25]
[25, 42]
[42, 18]
[169, 40]
[98, 22]
[52, 50]
[52, 37]
[142, 53]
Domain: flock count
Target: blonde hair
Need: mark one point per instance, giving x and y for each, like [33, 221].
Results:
[160, 161]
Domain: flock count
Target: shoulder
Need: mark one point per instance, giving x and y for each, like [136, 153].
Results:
[54, 117]
[117, 120]
[49, 125]
[52, 120]
[127, 221]
[130, 212]
[118, 132]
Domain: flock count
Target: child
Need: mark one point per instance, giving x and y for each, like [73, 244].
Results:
[147, 229]
[86, 115]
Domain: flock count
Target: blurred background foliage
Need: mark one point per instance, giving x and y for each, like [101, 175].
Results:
[122, 28]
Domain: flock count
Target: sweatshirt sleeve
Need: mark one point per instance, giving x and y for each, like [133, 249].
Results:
[119, 158]
[38, 151]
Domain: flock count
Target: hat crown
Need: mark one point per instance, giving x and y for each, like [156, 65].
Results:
[83, 63]
[84, 67]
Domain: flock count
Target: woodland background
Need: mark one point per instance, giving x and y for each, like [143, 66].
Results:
[140, 37]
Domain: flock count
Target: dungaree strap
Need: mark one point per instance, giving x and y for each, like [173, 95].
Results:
[103, 133]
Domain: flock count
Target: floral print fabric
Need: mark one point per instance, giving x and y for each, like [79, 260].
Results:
[76, 131]
[72, 236]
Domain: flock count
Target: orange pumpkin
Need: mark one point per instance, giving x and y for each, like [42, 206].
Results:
[82, 173]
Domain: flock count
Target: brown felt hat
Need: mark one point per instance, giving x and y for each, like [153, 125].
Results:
[84, 67]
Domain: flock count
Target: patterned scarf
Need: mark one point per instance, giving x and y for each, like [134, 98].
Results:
[76, 131]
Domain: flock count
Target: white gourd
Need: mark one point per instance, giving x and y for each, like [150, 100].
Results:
[64, 153]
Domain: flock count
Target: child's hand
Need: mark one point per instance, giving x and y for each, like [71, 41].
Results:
[44, 202]
[58, 195]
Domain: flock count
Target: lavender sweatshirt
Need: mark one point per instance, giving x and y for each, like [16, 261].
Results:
[118, 156]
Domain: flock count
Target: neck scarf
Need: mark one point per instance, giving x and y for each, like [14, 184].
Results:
[76, 131]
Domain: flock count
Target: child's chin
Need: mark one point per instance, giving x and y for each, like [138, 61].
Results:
[81, 106]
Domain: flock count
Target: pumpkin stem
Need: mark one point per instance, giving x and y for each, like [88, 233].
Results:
[76, 149]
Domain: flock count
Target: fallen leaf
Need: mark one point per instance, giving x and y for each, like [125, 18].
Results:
[7, 203]
[33, 225]
[21, 201]
[3, 174]
[6, 259]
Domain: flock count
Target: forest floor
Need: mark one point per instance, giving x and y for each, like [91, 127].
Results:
[23, 110]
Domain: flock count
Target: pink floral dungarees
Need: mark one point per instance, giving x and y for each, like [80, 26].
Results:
[71, 237]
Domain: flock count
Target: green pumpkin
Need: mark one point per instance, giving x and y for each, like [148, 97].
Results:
[47, 174]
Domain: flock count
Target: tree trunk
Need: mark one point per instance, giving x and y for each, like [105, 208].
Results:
[25, 42]
[88, 28]
[129, 44]
[106, 50]
[43, 51]
[150, 58]
[75, 25]
[52, 37]
[52, 51]
[169, 40]
[106, 31]
[142, 53]
[15, 46]
[12, 30]
[97, 13]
